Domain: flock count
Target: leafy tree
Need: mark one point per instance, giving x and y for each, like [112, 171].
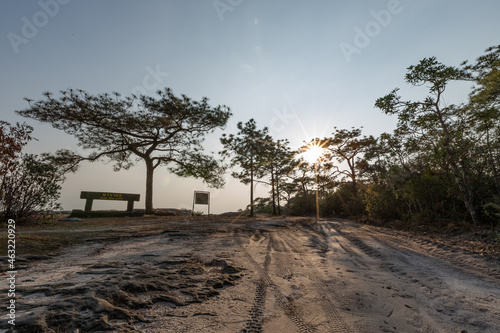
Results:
[440, 126]
[33, 186]
[166, 130]
[277, 158]
[484, 105]
[247, 150]
[486, 73]
[347, 146]
[12, 140]
[287, 189]
[28, 184]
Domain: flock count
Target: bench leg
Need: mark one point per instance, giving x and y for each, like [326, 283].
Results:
[88, 205]
[130, 206]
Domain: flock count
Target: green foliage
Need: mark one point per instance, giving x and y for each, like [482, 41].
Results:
[486, 74]
[29, 185]
[263, 206]
[247, 151]
[491, 211]
[278, 159]
[30, 189]
[381, 202]
[441, 163]
[348, 146]
[12, 140]
[302, 204]
[441, 130]
[345, 201]
[166, 130]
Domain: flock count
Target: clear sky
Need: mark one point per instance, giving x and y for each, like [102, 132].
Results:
[297, 67]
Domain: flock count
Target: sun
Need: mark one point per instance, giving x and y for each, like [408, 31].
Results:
[313, 153]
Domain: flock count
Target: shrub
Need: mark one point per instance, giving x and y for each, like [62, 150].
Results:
[30, 189]
[28, 185]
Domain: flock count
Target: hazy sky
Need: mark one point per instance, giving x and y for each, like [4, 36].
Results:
[298, 67]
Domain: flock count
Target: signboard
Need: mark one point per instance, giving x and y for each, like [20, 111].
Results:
[111, 196]
[201, 198]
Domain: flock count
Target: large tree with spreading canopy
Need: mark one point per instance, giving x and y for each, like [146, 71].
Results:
[164, 130]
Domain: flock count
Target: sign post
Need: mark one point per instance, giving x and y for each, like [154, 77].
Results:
[201, 198]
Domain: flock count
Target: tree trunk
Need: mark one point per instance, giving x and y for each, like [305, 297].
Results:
[460, 177]
[352, 166]
[467, 195]
[149, 186]
[278, 196]
[251, 187]
[492, 161]
[273, 188]
[317, 199]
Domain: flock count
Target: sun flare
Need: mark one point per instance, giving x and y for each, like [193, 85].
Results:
[313, 153]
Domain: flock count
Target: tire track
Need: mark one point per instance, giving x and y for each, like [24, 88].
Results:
[335, 322]
[255, 322]
[326, 232]
[366, 249]
[430, 280]
[410, 274]
[397, 241]
[485, 267]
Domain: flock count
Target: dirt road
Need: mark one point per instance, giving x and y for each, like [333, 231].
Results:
[263, 275]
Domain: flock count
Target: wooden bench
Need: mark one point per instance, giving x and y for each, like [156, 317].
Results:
[91, 196]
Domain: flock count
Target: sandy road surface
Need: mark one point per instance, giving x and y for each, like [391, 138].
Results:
[266, 275]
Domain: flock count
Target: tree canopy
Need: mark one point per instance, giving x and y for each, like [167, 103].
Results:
[247, 150]
[165, 130]
[28, 184]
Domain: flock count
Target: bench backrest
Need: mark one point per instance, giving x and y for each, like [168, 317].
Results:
[109, 196]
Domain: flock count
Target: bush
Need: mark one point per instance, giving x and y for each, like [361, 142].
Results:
[491, 210]
[30, 189]
[381, 202]
[263, 206]
[344, 202]
[302, 204]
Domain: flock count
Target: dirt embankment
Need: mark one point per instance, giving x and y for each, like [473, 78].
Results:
[480, 240]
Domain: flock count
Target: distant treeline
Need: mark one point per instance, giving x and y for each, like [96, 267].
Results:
[441, 163]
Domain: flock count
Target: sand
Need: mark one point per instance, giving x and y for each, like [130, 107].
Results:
[261, 275]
